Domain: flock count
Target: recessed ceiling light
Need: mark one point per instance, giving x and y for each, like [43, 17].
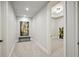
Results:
[27, 9]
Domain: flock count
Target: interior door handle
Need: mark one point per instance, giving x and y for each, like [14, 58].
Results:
[1, 40]
[78, 43]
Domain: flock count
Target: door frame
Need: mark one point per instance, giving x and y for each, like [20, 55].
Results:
[75, 44]
[65, 3]
[77, 27]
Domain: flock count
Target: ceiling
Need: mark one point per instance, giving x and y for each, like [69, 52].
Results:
[34, 7]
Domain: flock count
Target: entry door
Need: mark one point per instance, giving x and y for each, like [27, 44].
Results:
[0, 50]
[71, 28]
[0, 29]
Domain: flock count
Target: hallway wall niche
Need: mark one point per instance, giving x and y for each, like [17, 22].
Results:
[18, 26]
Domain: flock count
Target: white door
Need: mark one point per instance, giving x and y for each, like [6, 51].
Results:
[0, 50]
[71, 29]
[77, 29]
[0, 29]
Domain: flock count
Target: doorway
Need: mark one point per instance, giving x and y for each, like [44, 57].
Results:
[70, 43]
[70, 29]
[56, 29]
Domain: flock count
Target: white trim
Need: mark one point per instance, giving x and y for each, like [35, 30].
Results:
[65, 17]
[40, 46]
[72, 20]
[76, 17]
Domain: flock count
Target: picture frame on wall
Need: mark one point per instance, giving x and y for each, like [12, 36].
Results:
[24, 28]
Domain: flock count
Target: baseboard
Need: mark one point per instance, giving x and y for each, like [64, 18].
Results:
[40, 46]
[12, 50]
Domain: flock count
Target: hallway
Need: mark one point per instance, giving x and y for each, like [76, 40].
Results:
[38, 29]
[23, 22]
[30, 49]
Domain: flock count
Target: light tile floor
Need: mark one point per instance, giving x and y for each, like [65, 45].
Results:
[29, 49]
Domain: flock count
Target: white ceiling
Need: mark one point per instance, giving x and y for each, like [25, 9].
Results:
[34, 7]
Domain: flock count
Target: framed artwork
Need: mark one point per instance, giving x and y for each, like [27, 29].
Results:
[61, 32]
[24, 28]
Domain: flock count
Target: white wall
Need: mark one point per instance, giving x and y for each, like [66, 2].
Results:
[54, 32]
[8, 28]
[11, 27]
[54, 26]
[39, 28]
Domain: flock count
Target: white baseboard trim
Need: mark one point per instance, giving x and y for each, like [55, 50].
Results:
[40, 46]
[12, 50]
